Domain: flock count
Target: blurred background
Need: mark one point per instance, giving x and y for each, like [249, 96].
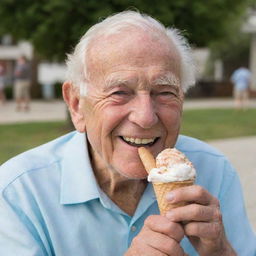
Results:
[222, 34]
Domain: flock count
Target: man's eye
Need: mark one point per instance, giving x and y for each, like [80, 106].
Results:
[167, 93]
[120, 93]
[121, 96]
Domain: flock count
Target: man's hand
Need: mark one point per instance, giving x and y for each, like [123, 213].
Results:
[202, 220]
[158, 237]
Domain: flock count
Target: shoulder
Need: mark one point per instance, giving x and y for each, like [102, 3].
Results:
[193, 145]
[34, 160]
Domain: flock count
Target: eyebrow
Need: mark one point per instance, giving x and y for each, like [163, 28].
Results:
[167, 79]
[114, 81]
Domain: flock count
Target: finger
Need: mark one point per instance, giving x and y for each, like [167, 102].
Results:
[157, 242]
[163, 225]
[165, 244]
[137, 248]
[192, 193]
[204, 230]
[194, 212]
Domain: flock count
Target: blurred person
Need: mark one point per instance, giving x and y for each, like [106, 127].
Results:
[86, 193]
[22, 84]
[2, 83]
[241, 79]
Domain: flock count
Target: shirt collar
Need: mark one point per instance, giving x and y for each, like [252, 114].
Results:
[78, 183]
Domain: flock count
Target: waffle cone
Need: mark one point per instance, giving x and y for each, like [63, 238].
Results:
[161, 189]
[147, 159]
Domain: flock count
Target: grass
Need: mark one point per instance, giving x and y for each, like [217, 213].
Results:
[210, 124]
[17, 138]
[205, 124]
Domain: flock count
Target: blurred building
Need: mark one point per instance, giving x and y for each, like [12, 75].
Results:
[201, 57]
[50, 74]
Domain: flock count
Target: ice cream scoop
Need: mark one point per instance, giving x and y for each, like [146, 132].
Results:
[170, 170]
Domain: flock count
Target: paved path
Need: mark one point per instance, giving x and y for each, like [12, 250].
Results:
[240, 151]
[40, 111]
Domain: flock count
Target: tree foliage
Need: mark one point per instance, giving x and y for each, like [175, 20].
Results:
[54, 26]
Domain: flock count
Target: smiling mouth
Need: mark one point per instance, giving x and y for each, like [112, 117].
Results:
[137, 142]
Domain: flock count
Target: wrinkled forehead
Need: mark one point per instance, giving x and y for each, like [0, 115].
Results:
[134, 46]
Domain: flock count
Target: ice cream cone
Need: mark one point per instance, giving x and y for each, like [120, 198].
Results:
[147, 159]
[161, 189]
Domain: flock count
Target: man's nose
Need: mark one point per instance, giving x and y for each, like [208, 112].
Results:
[143, 112]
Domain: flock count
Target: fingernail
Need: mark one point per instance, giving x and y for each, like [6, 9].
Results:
[170, 196]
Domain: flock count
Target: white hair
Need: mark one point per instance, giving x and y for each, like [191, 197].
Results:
[77, 70]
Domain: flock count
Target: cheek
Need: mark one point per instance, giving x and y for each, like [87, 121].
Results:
[171, 120]
[170, 115]
[104, 112]
[100, 127]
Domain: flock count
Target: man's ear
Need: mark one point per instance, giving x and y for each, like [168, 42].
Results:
[71, 96]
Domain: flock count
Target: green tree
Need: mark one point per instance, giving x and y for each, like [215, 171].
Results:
[54, 26]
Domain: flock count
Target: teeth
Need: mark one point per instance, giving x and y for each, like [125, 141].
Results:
[138, 141]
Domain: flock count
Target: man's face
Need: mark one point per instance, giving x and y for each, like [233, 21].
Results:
[134, 99]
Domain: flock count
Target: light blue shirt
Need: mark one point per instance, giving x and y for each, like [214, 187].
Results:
[241, 79]
[50, 203]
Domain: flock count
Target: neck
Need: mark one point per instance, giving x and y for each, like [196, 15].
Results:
[124, 192]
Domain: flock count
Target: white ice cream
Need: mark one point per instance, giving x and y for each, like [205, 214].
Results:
[175, 172]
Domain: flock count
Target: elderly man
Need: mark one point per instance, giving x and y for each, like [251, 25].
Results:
[86, 193]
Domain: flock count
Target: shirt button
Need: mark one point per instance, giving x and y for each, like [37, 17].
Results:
[133, 228]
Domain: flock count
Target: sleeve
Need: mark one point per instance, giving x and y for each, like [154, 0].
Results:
[17, 235]
[237, 226]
